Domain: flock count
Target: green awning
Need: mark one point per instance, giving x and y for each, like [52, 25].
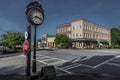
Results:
[103, 41]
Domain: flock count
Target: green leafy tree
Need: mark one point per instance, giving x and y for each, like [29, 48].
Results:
[115, 37]
[12, 39]
[62, 41]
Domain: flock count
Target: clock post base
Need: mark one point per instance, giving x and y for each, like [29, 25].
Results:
[34, 76]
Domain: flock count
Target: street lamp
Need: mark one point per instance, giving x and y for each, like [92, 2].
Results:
[35, 16]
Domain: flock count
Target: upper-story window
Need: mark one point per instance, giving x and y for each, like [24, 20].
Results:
[80, 26]
[58, 30]
[61, 30]
[65, 29]
[68, 28]
[76, 35]
[87, 27]
[73, 28]
[69, 36]
[84, 26]
[84, 35]
[73, 35]
[80, 35]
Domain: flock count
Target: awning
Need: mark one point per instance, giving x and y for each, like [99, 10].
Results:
[103, 41]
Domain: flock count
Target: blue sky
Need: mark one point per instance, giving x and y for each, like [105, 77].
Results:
[103, 12]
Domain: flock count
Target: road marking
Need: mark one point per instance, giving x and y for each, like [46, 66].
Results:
[87, 66]
[43, 57]
[104, 51]
[106, 61]
[49, 59]
[52, 63]
[53, 57]
[116, 61]
[69, 66]
[43, 62]
[58, 62]
[9, 62]
[16, 67]
[74, 67]
[118, 56]
[63, 70]
[113, 64]
[39, 55]
[76, 60]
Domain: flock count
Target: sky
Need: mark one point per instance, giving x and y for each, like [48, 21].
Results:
[103, 12]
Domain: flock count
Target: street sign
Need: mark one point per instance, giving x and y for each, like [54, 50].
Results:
[26, 35]
[25, 47]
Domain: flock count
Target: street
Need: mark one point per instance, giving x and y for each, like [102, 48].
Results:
[67, 62]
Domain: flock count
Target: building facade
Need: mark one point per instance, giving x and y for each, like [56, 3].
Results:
[86, 34]
[47, 41]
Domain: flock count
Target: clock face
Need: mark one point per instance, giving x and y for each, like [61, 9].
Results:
[36, 17]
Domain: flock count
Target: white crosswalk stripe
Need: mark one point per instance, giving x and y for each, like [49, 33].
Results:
[48, 60]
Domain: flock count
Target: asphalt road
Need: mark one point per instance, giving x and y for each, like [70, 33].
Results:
[67, 62]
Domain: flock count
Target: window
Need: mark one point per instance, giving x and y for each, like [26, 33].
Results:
[76, 35]
[84, 35]
[60, 30]
[96, 36]
[57, 30]
[69, 28]
[87, 27]
[69, 36]
[88, 35]
[80, 35]
[63, 29]
[93, 35]
[80, 26]
[73, 35]
[73, 28]
[84, 26]
[91, 28]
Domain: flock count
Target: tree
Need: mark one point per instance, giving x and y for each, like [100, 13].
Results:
[12, 39]
[62, 40]
[115, 37]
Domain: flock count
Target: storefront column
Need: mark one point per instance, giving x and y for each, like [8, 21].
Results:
[82, 45]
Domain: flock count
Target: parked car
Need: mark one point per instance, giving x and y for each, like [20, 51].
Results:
[4, 50]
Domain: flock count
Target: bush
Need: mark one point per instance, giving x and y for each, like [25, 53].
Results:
[18, 50]
[115, 46]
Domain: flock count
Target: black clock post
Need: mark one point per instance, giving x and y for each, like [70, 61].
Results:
[35, 16]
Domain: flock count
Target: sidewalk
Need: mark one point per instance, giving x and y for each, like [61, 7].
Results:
[9, 54]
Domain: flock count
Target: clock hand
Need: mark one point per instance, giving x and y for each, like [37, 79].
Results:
[37, 17]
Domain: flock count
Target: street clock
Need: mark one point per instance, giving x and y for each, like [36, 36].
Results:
[35, 14]
[35, 17]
